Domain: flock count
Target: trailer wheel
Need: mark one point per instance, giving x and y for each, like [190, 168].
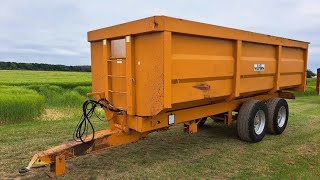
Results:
[251, 122]
[202, 121]
[278, 111]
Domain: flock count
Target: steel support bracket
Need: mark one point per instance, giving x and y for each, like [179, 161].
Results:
[191, 127]
[58, 167]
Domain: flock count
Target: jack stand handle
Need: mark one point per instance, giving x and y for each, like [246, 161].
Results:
[23, 170]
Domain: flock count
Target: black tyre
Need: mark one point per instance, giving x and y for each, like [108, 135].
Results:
[278, 112]
[202, 121]
[251, 122]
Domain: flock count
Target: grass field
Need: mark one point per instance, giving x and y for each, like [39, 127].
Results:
[18, 103]
[213, 153]
[39, 89]
[58, 78]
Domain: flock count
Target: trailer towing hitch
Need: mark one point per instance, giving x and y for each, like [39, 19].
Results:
[56, 156]
[115, 135]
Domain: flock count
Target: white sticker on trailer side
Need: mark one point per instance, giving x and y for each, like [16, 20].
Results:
[259, 67]
[171, 119]
[128, 39]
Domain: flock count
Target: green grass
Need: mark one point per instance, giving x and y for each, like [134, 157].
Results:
[18, 104]
[34, 90]
[83, 90]
[57, 96]
[310, 88]
[213, 153]
[58, 78]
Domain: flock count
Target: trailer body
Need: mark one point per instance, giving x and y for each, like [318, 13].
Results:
[161, 64]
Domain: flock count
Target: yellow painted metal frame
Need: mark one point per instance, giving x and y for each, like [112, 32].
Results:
[56, 156]
[147, 124]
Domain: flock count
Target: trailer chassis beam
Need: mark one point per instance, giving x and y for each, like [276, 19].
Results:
[56, 156]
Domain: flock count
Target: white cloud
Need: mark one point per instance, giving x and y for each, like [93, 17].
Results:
[314, 50]
[309, 7]
[65, 52]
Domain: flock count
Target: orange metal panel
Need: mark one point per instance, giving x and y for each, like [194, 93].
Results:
[293, 68]
[278, 66]
[190, 91]
[99, 66]
[118, 84]
[292, 60]
[253, 53]
[149, 68]
[289, 80]
[292, 53]
[237, 70]
[258, 50]
[117, 68]
[198, 45]
[201, 66]
[257, 83]
[119, 99]
[291, 65]
[167, 60]
[130, 75]
[247, 64]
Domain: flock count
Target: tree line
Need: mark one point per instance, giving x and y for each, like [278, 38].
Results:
[42, 67]
[310, 74]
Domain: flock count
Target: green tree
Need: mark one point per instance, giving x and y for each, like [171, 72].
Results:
[310, 74]
[42, 67]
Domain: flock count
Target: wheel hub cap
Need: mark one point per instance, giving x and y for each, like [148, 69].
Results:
[259, 122]
[282, 116]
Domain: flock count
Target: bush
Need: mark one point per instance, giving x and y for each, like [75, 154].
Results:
[310, 74]
[19, 104]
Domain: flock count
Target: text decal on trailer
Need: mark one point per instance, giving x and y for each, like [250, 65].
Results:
[259, 67]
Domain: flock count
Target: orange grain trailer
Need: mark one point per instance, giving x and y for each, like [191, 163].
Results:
[160, 71]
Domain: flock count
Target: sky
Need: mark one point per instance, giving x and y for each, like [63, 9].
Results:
[55, 31]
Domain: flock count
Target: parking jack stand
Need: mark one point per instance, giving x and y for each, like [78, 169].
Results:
[191, 127]
[58, 168]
